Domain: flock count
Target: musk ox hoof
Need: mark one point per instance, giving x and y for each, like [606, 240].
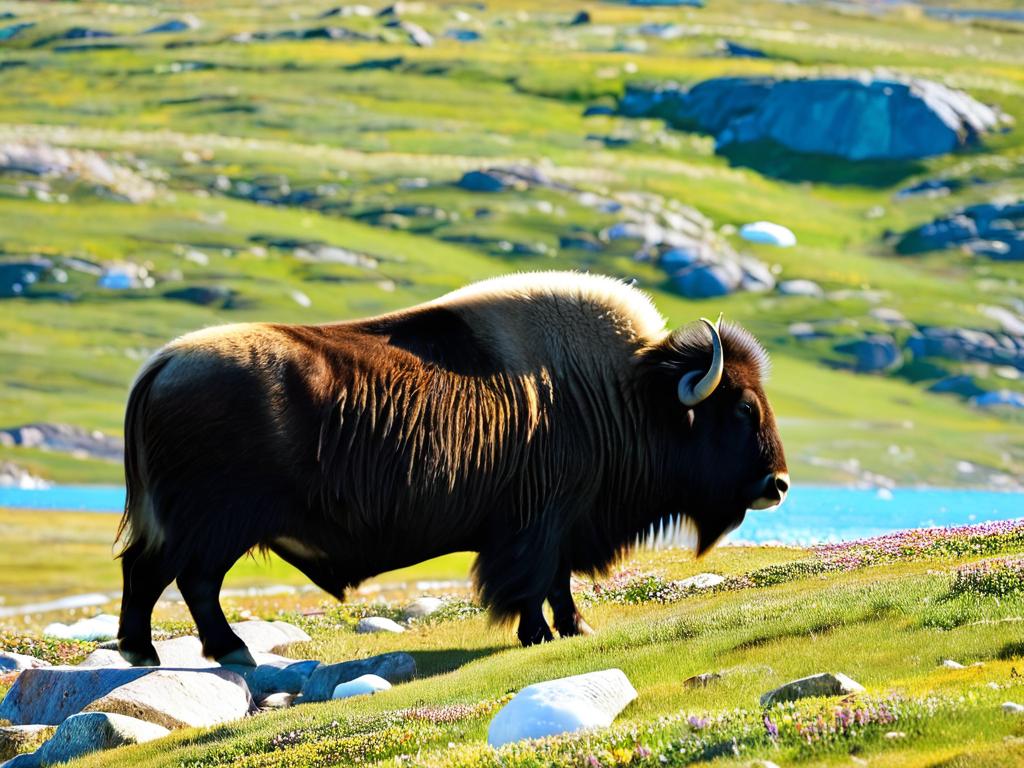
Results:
[142, 656]
[535, 636]
[240, 657]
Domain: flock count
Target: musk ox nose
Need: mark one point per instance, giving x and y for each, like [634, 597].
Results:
[773, 491]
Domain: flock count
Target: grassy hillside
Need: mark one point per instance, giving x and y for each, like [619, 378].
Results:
[237, 151]
[887, 612]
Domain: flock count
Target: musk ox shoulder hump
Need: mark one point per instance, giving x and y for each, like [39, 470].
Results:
[564, 303]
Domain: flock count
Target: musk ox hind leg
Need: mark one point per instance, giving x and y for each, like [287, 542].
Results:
[200, 584]
[146, 575]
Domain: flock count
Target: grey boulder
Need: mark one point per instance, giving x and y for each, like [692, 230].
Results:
[824, 684]
[395, 667]
[173, 698]
[89, 732]
[873, 354]
[855, 118]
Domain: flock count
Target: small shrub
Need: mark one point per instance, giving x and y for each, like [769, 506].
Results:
[996, 577]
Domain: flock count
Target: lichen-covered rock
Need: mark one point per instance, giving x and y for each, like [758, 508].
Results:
[824, 684]
[90, 732]
[373, 624]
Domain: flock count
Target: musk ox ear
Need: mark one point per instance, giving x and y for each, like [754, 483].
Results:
[696, 386]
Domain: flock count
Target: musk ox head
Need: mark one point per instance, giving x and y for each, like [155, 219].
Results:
[723, 447]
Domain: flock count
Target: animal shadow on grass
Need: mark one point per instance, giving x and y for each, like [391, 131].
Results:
[439, 661]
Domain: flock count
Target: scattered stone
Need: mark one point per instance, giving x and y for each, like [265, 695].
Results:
[891, 735]
[332, 254]
[21, 739]
[348, 10]
[74, 33]
[184, 24]
[567, 705]
[378, 624]
[932, 188]
[91, 732]
[422, 607]
[49, 696]
[362, 685]
[824, 684]
[801, 288]
[1013, 708]
[705, 281]
[702, 680]
[701, 581]
[125, 276]
[874, 354]
[991, 230]
[583, 241]
[598, 110]
[395, 667]
[76, 165]
[276, 701]
[418, 36]
[580, 19]
[18, 662]
[738, 51]
[203, 295]
[950, 664]
[1003, 398]
[968, 345]
[768, 233]
[925, 118]
[63, 438]
[463, 35]
[499, 179]
[102, 627]
[269, 636]
[19, 273]
[962, 385]
[483, 181]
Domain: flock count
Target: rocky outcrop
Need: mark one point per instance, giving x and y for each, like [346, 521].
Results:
[855, 118]
[173, 698]
[64, 438]
[878, 353]
[990, 230]
[21, 739]
[968, 345]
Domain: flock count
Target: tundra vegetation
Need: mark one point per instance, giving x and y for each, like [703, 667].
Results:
[314, 162]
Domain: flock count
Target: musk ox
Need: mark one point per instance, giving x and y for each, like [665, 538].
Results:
[543, 421]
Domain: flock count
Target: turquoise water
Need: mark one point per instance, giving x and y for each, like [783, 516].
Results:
[811, 514]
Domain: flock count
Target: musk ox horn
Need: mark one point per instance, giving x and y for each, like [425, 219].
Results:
[691, 393]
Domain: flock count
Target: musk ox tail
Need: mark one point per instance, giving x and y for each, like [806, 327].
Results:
[138, 523]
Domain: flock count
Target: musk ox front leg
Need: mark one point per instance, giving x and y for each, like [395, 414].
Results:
[568, 620]
[513, 576]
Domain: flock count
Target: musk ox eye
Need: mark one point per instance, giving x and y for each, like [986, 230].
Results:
[745, 409]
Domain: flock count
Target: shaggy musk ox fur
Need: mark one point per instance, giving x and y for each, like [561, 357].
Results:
[537, 420]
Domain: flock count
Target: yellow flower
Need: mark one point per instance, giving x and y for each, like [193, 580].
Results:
[622, 755]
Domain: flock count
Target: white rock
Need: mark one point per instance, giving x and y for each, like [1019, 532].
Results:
[277, 701]
[702, 581]
[1013, 708]
[768, 233]
[801, 288]
[569, 704]
[102, 627]
[360, 687]
[950, 664]
[422, 607]
[379, 624]
[823, 684]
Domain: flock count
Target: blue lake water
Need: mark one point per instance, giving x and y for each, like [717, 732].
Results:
[811, 514]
